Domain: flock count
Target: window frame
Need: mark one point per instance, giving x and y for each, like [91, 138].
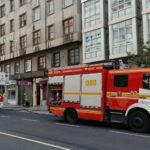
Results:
[2, 11]
[22, 2]
[25, 61]
[118, 81]
[49, 12]
[2, 30]
[17, 63]
[12, 46]
[2, 49]
[23, 20]
[43, 62]
[12, 5]
[74, 56]
[36, 38]
[67, 27]
[67, 5]
[34, 19]
[50, 32]
[54, 63]
[12, 25]
[23, 42]
[5, 68]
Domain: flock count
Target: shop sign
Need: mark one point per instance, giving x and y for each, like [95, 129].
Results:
[24, 83]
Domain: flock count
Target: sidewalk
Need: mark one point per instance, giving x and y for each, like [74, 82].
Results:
[37, 109]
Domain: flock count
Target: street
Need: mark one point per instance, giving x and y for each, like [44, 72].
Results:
[20, 130]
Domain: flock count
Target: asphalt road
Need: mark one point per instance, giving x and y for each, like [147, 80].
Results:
[23, 130]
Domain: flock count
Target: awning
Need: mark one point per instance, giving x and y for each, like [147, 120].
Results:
[55, 80]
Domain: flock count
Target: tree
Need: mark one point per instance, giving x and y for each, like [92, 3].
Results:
[142, 59]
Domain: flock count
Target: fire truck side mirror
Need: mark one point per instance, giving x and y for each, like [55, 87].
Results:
[45, 73]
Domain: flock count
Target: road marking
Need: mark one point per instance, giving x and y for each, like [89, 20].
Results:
[23, 111]
[130, 134]
[34, 141]
[3, 116]
[69, 125]
[30, 120]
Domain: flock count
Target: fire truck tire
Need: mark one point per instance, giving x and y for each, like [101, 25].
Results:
[139, 121]
[71, 116]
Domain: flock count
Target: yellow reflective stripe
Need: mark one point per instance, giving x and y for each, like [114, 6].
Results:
[89, 112]
[127, 95]
[91, 93]
[72, 93]
[144, 96]
[57, 108]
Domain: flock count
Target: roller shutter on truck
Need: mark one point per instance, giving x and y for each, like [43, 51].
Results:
[91, 90]
[85, 89]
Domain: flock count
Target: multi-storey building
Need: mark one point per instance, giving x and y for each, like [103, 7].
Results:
[36, 35]
[146, 20]
[95, 30]
[124, 27]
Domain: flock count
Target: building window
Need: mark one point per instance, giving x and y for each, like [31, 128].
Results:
[12, 25]
[23, 20]
[73, 56]
[23, 42]
[122, 37]
[36, 38]
[2, 49]
[12, 46]
[23, 2]
[2, 11]
[93, 46]
[36, 13]
[56, 59]
[68, 29]
[121, 81]
[7, 68]
[67, 3]
[42, 62]
[2, 30]
[120, 8]
[92, 13]
[50, 5]
[51, 32]
[147, 3]
[17, 67]
[28, 65]
[12, 5]
[148, 23]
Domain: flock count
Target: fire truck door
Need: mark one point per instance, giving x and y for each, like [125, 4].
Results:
[91, 91]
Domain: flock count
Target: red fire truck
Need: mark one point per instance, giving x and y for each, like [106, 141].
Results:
[95, 93]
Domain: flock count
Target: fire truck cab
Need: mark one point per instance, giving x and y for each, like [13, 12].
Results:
[95, 93]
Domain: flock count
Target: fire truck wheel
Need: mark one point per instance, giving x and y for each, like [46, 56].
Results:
[71, 116]
[139, 121]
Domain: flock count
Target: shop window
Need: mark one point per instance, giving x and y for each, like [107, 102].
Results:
[12, 94]
[121, 81]
[55, 93]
